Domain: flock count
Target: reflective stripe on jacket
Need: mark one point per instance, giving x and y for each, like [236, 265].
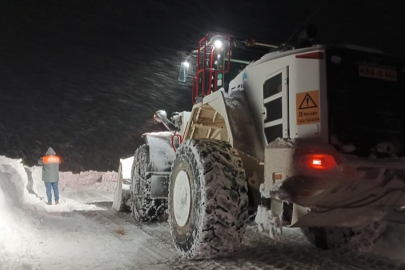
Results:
[50, 169]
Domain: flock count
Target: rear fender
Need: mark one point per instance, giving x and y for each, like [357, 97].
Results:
[161, 153]
[161, 157]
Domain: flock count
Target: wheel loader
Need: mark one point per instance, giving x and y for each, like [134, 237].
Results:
[310, 137]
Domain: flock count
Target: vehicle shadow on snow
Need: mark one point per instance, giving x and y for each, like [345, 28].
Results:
[297, 251]
[293, 252]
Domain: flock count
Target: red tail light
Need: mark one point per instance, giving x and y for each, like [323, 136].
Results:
[319, 161]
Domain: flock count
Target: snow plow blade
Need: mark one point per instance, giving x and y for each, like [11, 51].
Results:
[122, 191]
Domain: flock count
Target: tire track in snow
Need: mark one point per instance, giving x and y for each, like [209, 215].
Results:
[151, 251]
[352, 260]
[258, 252]
[294, 253]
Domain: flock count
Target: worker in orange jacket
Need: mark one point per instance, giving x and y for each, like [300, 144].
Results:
[50, 174]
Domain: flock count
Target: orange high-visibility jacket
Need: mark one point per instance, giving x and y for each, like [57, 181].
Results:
[50, 163]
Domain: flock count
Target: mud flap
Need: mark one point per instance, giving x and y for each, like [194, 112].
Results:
[270, 221]
[159, 186]
[161, 156]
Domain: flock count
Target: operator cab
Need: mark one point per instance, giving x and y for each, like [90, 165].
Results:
[219, 60]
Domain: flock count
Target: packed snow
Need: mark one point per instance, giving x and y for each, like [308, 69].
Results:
[83, 232]
[73, 234]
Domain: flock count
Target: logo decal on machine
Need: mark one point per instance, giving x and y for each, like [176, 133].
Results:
[307, 107]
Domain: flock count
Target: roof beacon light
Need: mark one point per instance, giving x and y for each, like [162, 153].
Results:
[218, 44]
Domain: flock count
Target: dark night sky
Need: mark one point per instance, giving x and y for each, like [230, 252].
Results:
[85, 77]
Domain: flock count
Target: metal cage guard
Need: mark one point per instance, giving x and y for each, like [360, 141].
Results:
[202, 67]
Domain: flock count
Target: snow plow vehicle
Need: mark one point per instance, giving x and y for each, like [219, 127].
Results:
[310, 137]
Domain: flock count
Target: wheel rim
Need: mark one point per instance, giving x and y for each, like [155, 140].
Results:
[181, 198]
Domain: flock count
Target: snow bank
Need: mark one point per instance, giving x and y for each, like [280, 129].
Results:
[15, 172]
[12, 195]
[22, 202]
[68, 181]
[102, 181]
[23, 188]
[72, 235]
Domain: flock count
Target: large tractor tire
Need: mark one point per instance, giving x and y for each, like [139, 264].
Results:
[357, 238]
[144, 209]
[208, 199]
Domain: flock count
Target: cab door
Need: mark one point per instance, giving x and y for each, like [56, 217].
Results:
[275, 105]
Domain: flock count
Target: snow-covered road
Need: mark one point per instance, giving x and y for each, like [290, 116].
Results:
[85, 233]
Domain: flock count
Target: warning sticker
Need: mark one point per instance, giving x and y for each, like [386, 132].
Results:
[308, 107]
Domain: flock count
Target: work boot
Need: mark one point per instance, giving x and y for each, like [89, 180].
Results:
[49, 203]
[56, 202]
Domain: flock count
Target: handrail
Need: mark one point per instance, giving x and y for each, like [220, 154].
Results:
[202, 69]
[180, 139]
